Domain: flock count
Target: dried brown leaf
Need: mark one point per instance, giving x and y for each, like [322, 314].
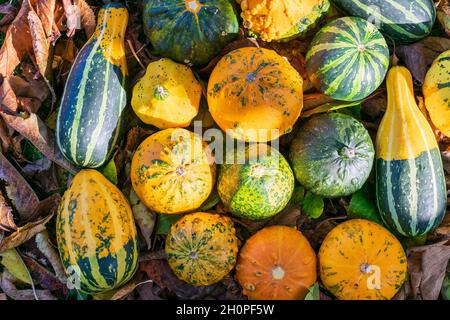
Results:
[9, 12]
[23, 234]
[6, 215]
[443, 15]
[79, 14]
[288, 217]
[41, 44]
[48, 250]
[7, 285]
[45, 10]
[36, 88]
[427, 266]
[87, 18]
[420, 55]
[144, 218]
[18, 190]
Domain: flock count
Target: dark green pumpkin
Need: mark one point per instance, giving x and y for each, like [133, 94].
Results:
[348, 59]
[191, 32]
[402, 21]
[91, 111]
[258, 184]
[332, 155]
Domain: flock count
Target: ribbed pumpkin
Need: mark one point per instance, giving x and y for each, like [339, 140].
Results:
[282, 19]
[436, 90]
[257, 184]
[255, 94]
[167, 96]
[361, 260]
[94, 99]
[190, 31]
[411, 188]
[172, 171]
[348, 59]
[201, 248]
[276, 263]
[96, 234]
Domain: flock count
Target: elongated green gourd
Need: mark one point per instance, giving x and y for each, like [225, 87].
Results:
[94, 98]
[411, 190]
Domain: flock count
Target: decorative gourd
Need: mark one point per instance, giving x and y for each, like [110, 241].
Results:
[96, 234]
[282, 19]
[411, 190]
[172, 171]
[348, 59]
[255, 95]
[361, 260]
[91, 111]
[202, 247]
[276, 263]
[436, 90]
[167, 96]
[258, 184]
[403, 21]
[190, 31]
[332, 155]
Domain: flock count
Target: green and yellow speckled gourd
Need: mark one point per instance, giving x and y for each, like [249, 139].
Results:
[92, 106]
[258, 184]
[436, 90]
[202, 248]
[411, 190]
[96, 233]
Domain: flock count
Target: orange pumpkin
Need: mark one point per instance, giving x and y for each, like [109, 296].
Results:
[172, 171]
[276, 263]
[255, 94]
[361, 260]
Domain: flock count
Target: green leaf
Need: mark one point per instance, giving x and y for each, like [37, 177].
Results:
[331, 106]
[29, 151]
[298, 195]
[445, 291]
[13, 262]
[110, 171]
[362, 205]
[314, 292]
[165, 221]
[313, 205]
[209, 203]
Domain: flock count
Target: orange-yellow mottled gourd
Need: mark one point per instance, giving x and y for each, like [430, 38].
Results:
[167, 96]
[436, 90]
[281, 20]
[202, 247]
[96, 233]
[276, 263]
[361, 260]
[172, 171]
[255, 94]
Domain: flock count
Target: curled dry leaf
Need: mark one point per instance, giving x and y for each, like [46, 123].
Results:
[7, 285]
[288, 217]
[420, 55]
[23, 234]
[6, 215]
[87, 18]
[443, 15]
[48, 250]
[427, 266]
[79, 14]
[145, 218]
[45, 10]
[18, 190]
[9, 12]
[41, 44]
[36, 88]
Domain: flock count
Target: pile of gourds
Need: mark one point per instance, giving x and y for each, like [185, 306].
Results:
[255, 96]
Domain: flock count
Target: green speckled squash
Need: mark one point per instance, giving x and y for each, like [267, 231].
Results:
[348, 59]
[202, 248]
[332, 155]
[258, 184]
[190, 31]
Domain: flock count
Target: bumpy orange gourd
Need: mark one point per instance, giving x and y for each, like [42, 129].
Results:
[361, 260]
[167, 96]
[436, 90]
[276, 263]
[172, 171]
[202, 247]
[255, 94]
[281, 19]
